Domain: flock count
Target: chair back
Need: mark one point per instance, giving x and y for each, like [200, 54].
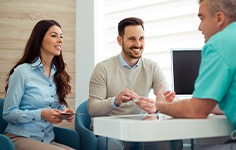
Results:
[3, 123]
[85, 117]
[82, 126]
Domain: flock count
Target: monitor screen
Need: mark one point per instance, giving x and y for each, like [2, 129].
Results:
[185, 68]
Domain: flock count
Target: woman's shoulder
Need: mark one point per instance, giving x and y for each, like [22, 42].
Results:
[22, 68]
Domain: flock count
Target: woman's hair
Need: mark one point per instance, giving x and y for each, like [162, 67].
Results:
[127, 22]
[225, 6]
[32, 52]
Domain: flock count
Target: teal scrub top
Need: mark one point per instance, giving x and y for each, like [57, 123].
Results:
[217, 74]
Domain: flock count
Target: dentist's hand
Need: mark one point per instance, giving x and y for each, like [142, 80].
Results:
[168, 96]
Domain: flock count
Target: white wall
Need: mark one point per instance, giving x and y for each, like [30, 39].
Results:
[84, 48]
[89, 26]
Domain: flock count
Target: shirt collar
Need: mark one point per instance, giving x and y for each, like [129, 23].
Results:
[124, 63]
[38, 64]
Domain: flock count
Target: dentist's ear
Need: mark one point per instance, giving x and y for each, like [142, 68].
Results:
[220, 20]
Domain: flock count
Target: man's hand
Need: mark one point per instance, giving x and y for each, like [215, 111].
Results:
[147, 104]
[125, 96]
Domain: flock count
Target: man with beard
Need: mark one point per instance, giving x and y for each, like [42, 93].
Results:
[117, 81]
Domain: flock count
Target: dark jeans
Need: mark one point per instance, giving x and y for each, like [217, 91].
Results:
[114, 144]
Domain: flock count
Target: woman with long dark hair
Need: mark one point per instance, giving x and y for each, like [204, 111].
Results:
[36, 89]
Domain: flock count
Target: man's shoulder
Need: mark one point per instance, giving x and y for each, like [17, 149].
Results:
[148, 62]
[108, 61]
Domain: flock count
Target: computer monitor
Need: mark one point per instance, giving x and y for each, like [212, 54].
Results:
[185, 68]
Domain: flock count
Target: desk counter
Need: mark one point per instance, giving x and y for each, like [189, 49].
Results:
[159, 127]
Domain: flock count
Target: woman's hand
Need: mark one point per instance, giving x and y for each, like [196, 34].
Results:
[51, 115]
[69, 114]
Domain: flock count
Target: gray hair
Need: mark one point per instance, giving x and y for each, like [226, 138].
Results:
[228, 7]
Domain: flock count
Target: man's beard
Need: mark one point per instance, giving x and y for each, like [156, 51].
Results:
[129, 52]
